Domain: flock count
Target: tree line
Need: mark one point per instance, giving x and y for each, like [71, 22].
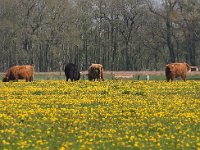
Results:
[120, 34]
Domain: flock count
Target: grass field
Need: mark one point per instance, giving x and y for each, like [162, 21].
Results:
[115, 114]
[117, 75]
[114, 75]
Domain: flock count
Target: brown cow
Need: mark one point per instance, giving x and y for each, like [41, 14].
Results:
[95, 71]
[19, 72]
[175, 70]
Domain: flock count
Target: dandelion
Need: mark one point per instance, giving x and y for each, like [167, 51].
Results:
[79, 115]
[136, 144]
[4, 142]
[132, 138]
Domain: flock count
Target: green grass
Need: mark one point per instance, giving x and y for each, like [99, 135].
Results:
[61, 76]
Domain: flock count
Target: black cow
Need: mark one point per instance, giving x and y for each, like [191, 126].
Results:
[72, 72]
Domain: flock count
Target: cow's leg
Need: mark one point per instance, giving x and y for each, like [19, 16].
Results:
[16, 78]
[183, 77]
[172, 78]
[99, 77]
[71, 75]
[74, 76]
[168, 78]
[102, 78]
[26, 79]
[30, 79]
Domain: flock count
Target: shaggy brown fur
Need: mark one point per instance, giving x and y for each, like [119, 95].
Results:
[19, 72]
[95, 71]
[175, 70]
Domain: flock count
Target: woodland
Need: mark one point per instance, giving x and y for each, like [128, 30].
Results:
[123, 35]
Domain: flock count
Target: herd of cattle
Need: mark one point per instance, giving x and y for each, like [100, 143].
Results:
[95, 72]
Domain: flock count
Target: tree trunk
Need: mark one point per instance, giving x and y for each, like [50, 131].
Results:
[192, 49]
[127, 56]
[86, 54]
[170, 41]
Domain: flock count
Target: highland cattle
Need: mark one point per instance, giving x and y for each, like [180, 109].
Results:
[95, 71]
[175, 70]
[72, 72]
[19, 72]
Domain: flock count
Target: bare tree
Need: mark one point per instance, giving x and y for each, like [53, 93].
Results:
[166, 13]
[120, 34]
[189, 24]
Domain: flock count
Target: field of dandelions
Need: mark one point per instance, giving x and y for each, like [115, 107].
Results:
[114, 114]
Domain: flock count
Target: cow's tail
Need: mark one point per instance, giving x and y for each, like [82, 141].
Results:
[101, 74]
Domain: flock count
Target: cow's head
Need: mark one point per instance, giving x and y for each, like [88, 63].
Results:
[5, 79]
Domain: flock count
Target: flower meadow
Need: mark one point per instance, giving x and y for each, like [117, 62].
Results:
[114, 114]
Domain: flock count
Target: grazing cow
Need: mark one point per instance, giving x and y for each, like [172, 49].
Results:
[93, 74]
[19, 72]
[175, 70]
[95, 71]
[72, 72]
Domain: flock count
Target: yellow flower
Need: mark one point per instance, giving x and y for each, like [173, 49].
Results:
[132, 138]
[136, 144]
[4, 142]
